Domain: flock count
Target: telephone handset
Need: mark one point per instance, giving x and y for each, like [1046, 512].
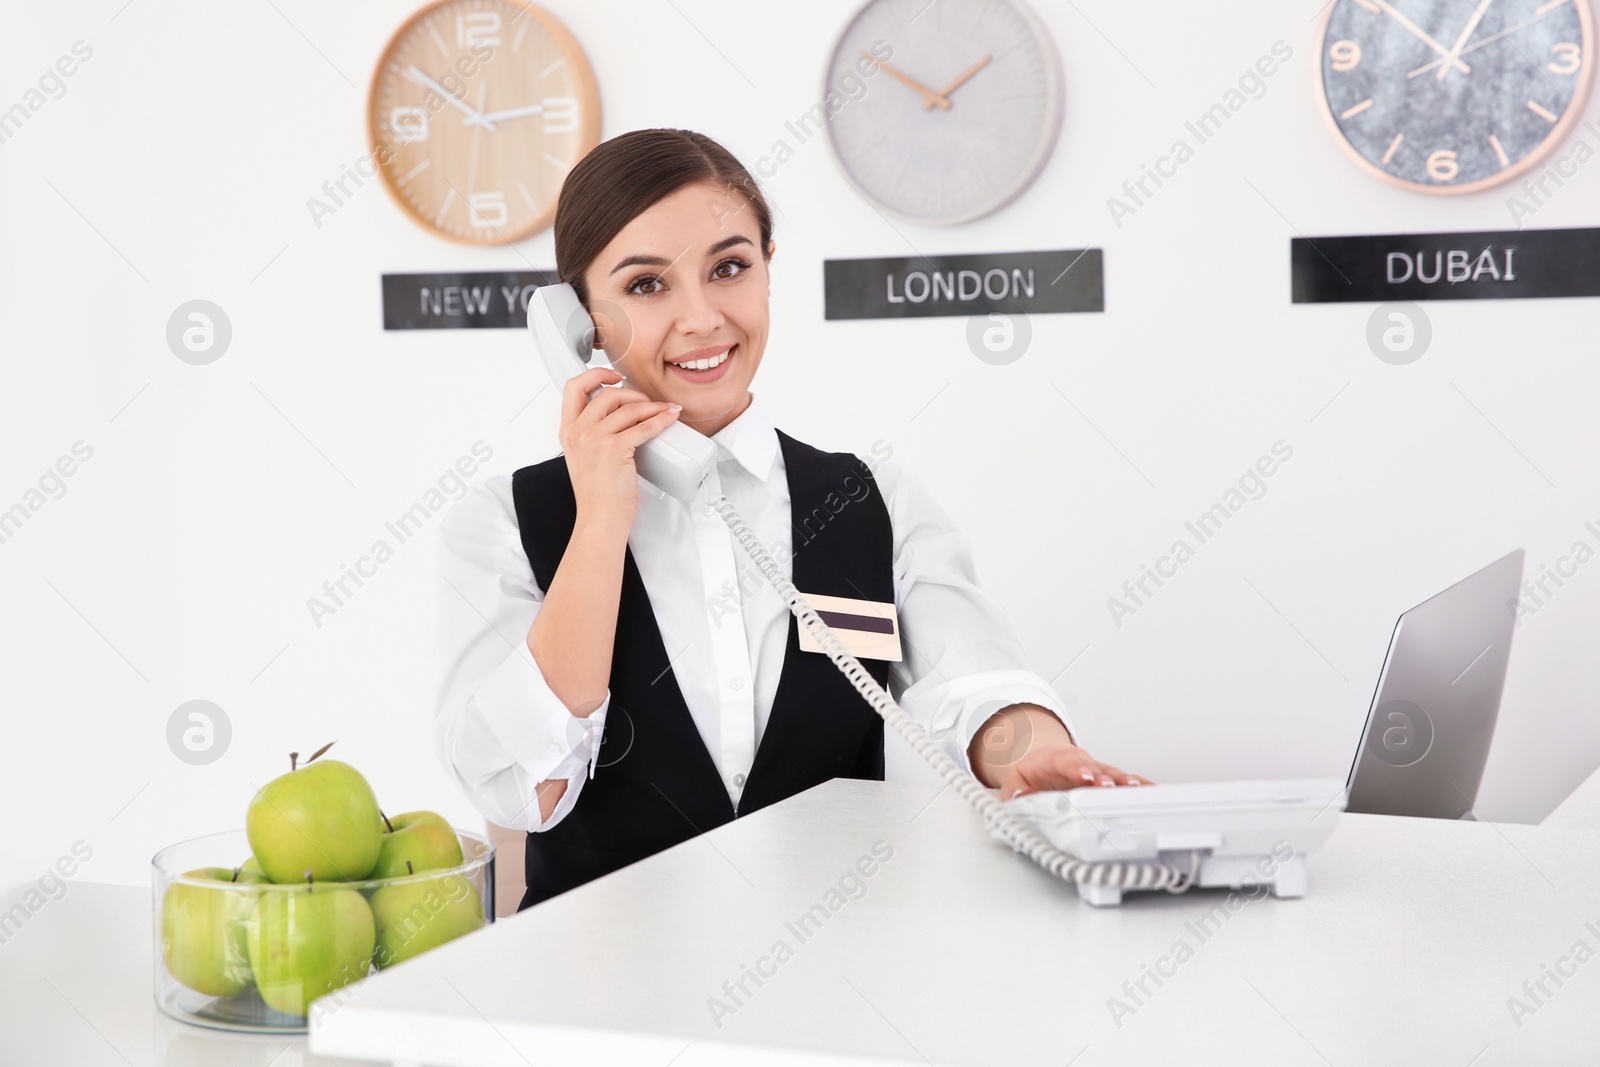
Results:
[677, 459]
[1220, 828]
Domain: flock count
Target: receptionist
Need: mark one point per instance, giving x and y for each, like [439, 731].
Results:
[614, 675]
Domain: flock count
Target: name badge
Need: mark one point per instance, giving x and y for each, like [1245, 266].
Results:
[866, 628]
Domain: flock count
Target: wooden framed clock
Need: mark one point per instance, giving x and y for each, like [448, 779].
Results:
[1453, 97]
[943, 112]
[478, 109]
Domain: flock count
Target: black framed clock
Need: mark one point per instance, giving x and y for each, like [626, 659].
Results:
[1453, 96]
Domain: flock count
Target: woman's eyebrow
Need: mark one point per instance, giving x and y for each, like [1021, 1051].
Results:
[640, 261]
[727, 243]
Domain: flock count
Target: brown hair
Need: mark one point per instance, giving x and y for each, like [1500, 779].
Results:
[625, 176]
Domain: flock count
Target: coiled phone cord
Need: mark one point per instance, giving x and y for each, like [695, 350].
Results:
[1001, 823]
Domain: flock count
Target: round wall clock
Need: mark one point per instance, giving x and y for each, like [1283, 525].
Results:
[477, 111]
[1453, 97]
[943, 112]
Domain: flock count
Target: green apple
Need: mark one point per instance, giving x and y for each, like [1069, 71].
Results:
[252, 864]
[321, 819]
[417, 841]
[203, 930]
[414, 916]
[303, 943]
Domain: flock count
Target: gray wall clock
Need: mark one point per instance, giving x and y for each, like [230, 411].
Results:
[1453, 96]
[961, 110]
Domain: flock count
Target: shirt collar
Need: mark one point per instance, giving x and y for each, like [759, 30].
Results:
[750, 441]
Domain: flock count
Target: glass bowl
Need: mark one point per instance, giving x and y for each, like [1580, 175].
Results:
[255, 956]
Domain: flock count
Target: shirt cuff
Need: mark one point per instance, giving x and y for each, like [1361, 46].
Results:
[535, 727]
[962, 705]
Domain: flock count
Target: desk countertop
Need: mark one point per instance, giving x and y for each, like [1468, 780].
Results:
[1412, 946]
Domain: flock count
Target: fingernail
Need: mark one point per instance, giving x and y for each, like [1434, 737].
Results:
[674, 407]
[1087, 774]
[1133, 781]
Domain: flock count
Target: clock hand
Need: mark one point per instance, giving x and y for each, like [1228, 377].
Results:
[1422, 35]
[1491, 39]
[514, 113]
[1466, 34]
[959, 82]
[473, 116]
[928, 95]
[477, 135]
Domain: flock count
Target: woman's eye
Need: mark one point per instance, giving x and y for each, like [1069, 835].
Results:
[647, 280]
[729, 268]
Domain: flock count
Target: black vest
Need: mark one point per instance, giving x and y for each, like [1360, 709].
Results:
[654, 782]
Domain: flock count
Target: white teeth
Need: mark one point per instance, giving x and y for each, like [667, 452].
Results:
[704, 364]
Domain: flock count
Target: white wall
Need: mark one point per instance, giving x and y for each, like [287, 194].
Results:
[179, 562]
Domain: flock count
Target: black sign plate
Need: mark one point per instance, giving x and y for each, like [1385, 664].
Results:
[1044, 282]
[472, 301]
[1490, 265]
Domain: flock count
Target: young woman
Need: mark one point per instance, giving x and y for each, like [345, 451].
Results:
[616, 677]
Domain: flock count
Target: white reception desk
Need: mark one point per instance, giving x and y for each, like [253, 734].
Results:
[1412, 939]
[1414, 936]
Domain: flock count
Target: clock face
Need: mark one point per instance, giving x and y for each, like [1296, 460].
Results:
[1453, 96]
[958, 113]
[478, 110]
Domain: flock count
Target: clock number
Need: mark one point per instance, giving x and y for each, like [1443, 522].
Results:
[1346, 56]
[1570, 55]
[478, 27]
[560, 114]
[1442, 165]
[487, 210]
[409, 124]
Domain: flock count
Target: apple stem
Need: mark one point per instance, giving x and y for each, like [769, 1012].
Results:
[408, 868]
[387, 823]
[309, 884]
[294, 760]
[236, 871]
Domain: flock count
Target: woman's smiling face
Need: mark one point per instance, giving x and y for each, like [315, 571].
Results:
[679, 298]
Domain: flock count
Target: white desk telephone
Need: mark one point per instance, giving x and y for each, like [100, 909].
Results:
[1103, 840]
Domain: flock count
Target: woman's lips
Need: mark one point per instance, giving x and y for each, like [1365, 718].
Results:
[703, 376]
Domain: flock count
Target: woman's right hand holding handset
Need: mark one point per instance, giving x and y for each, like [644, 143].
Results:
[599, 437]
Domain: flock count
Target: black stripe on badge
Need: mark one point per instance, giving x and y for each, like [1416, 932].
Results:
[844, 620]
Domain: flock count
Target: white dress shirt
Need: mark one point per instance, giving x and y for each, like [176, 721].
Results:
[499, 729]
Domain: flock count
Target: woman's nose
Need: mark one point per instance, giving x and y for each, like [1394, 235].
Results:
[698, 313]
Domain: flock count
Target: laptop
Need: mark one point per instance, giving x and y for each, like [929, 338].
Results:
[1433, 714]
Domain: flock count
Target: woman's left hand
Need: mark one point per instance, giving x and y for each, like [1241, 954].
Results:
[1057, 767]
